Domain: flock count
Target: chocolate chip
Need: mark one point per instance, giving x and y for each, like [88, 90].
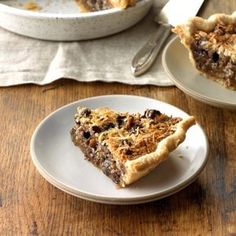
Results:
[215, 57]
[151, 114]
[96, 129]
[86, 134]
[120, 120]
[128, 152]
[77, 121]
[85, 112]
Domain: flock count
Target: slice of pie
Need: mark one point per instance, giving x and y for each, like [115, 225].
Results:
[212, 46]
[127, 146]
[98, 5]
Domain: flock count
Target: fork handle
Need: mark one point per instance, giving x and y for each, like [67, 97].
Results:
[148, 53]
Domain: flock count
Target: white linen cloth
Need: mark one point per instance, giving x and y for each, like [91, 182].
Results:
[26, 60]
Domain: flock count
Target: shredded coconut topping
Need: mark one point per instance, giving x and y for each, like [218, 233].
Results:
[127, 136]
[222, 40]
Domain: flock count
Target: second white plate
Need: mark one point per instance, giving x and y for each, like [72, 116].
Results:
[63, 164]
[176, 63]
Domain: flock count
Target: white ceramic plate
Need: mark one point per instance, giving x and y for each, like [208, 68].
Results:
[63, 164]
[61, 20]
[180, 70]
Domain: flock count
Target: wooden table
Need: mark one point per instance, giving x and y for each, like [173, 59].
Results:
[31, 206]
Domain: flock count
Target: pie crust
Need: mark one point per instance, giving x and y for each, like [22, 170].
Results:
[127, 146]
[212, 46]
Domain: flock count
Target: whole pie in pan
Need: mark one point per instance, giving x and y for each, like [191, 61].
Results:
[127, 146]
[98, 5]
[212, 46]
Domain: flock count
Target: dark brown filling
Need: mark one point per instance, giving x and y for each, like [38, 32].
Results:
[96, 153]
[96, 5]
[210, 62]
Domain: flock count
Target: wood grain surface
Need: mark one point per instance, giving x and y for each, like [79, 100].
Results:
[29, 205]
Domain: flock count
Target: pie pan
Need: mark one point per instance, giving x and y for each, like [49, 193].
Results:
[62, 20]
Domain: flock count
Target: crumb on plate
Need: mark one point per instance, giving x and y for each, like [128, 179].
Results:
[32, 5]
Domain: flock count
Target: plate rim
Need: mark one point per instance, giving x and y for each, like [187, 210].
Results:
[83, 15]
[189, 91]
[103, 198]
[116, 201]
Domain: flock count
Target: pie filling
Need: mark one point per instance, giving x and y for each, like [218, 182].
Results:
[98, 5]
[109, 140]
[211, 54]
[98, 154]
[95, 5]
